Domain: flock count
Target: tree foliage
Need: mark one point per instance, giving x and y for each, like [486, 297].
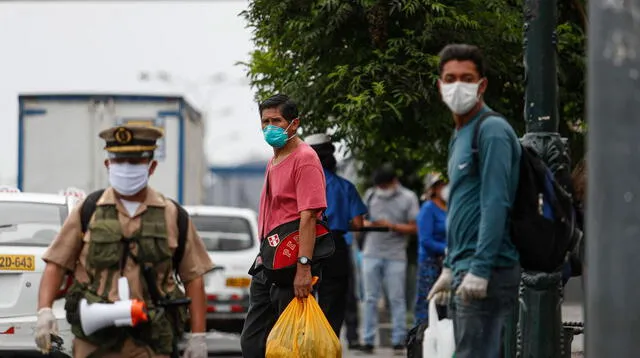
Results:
[368, 68]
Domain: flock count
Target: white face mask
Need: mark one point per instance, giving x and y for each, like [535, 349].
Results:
[459, 96]
[128, 179]
[444, 193]
[385, 193]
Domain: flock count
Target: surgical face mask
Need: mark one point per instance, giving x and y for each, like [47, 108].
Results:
[385, 193]
[128, 179]
[444, 193]
[459, 96]
[276, 136]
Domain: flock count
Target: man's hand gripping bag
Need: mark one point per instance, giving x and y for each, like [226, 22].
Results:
[302, 331]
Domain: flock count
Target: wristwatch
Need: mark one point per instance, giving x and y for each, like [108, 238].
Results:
[303, 260]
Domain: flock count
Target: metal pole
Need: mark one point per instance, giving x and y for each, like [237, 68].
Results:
[613, 201]
[540, 318]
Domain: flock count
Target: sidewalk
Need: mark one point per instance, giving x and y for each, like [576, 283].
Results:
[571, 312]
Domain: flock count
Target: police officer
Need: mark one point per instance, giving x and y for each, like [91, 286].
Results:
[345, 210]
[133, 230]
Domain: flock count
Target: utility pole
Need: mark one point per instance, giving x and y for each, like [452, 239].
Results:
[539, 328]
[613, 200]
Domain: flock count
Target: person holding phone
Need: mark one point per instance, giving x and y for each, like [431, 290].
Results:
[384, 260]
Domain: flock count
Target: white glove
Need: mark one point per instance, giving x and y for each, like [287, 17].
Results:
[45, 327]
[197, 346]
[442, 287]
[472, 287]
[442, 298]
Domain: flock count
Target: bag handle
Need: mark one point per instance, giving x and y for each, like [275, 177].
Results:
[433, 313]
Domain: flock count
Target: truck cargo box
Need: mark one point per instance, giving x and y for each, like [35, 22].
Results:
[59, 147]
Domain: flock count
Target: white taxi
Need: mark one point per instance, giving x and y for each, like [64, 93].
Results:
[231, 237]
[28, 224]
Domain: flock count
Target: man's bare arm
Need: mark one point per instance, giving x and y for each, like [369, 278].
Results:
[302, 282]
[307, 233]
[198, 308]
[408, 229]
[50, 284]
[356, 224]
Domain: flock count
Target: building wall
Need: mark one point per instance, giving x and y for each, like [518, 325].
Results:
[238, 186]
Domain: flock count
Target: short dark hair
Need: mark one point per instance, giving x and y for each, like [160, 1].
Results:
[288, 108]
[385, 174]
[462, 52]
[325, 153]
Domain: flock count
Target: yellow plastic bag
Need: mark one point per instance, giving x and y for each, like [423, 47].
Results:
[302, 331]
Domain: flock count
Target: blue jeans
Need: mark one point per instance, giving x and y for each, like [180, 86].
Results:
[392, 274]
[478, 324]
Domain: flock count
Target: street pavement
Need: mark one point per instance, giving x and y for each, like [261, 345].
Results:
[228, 345]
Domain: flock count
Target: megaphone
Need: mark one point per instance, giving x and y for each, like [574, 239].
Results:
[125, 312]
[120, 313]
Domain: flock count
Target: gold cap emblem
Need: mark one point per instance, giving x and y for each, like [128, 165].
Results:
[123, 135]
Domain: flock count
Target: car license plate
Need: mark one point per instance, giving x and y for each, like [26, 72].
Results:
[17, 263]
[238, 282]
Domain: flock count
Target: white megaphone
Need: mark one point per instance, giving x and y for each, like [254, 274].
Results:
[125, 312]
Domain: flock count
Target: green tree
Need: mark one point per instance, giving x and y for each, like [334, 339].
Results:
[368, 69]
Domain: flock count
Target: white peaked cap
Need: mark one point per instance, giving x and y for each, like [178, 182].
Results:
[318, 138]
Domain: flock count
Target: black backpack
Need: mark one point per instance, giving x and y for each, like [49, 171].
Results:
[543, 217]
[89, 207]
[414, 339]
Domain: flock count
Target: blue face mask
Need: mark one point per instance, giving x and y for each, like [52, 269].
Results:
[276, 136]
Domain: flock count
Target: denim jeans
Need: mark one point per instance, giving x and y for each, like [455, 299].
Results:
[478, 324]
[390, 273]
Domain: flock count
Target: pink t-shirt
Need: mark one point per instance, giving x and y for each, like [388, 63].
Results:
[295, 184]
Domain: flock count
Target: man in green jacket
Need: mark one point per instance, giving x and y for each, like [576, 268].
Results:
[481, 265]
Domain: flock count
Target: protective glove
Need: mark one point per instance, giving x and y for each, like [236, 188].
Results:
[472, 287]
[197, 346]
[442, 298]
[442, 287]
[45, 327]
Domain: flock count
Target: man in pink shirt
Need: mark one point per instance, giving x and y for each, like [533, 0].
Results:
[294, 189]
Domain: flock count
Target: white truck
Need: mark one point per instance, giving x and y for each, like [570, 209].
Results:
[59, 147]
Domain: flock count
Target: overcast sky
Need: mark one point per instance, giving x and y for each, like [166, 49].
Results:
[76, 47]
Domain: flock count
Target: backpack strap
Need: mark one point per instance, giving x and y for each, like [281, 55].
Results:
[475, 140]
[369, 197]
[89, 207]
[183, 227]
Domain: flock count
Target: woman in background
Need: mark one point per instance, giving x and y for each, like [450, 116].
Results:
[432, 242]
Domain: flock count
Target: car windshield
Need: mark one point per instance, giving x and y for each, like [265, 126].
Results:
[223, 233]
[30, 224]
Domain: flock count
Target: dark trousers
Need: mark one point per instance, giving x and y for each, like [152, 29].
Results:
[332, 290]
[478, 324]
[267, 302]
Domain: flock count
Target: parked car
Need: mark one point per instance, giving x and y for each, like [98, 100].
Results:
[28, 224]
[231, 237]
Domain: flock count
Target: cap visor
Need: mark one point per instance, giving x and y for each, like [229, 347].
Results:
[136, 155]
